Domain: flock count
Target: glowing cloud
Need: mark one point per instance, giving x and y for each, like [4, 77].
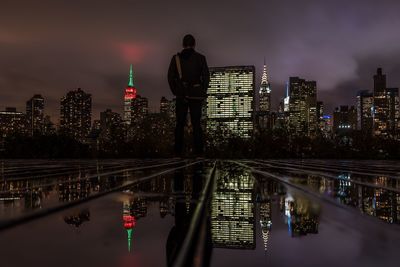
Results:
[133, 52]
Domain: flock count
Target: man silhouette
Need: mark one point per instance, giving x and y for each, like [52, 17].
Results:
[188, 78]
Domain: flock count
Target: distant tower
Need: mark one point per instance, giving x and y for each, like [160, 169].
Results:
[386, 105]
[302, 106]
[76, 114]
[34, 113]
[139, 109]
[265, 92]
[365, 108]
[130, 95]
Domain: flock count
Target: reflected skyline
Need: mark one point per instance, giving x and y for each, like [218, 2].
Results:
[251, 220]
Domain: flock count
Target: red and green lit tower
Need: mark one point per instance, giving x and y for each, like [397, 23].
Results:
[130, 95]
[129, 222]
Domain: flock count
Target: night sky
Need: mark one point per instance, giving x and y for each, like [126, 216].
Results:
[50, 46]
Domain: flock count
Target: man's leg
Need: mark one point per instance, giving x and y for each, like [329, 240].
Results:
[195, 116]
[181, 109]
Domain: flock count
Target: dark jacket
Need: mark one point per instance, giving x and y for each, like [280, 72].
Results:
[194, 73]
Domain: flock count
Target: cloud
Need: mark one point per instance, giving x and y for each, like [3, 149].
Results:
[60, 46]
[133, 52]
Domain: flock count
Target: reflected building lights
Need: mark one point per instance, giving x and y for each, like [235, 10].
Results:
[232, 216]
[265, 221]
[302, 217]
[129, 221]
[133, 210]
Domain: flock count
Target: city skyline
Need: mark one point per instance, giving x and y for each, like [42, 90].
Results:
[337, 45]
[155, 107]
[233, 107]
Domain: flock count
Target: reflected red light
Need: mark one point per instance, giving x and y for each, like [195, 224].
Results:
[130, 93]
[129, 221]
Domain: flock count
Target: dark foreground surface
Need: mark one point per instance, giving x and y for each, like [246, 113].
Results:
[199, 213]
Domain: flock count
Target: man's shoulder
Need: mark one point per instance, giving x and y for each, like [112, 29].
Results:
[203, 57]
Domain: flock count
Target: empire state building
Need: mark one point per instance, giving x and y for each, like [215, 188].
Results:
[129, 97]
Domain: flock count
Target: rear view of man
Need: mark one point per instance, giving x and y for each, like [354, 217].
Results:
[188, 78]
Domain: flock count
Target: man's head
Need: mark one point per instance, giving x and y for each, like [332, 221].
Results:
[189, 41]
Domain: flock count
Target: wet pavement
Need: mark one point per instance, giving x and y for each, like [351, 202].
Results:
[204, 213]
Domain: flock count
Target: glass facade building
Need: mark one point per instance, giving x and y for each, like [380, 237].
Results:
[365, 103]
[386, 115]
[230, 101]
[303, 106]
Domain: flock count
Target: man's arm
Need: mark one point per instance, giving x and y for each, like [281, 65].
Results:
[172, 76]
[205, 75]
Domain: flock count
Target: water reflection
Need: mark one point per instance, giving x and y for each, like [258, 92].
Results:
[252, 219]
[19, 196]
[301, 215]
[132, 210]
[187, 191]
[128, 216]
[374, 200]
[173, 195]
[241, 197]
[264, 193]
[73, 190]
[265, 221]
[232, 216]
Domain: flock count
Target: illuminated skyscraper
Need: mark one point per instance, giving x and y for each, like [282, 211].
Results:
[12, 122]
[325, 126]
[139, 109]
[265, 119]
[303, 106]
[130, 95]
[365, 102]
[108, 119]
[164, 105]
[76, 114]
[380, 104]
[386, 115]
[286, 99]
[320, 110]
[34, 114]
[394, 111]
[167, 107]
[230, 101]
[265, 92]
[110, 128]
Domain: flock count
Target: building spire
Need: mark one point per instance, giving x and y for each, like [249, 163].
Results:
[129, 232]
[264, 78]
[130, 83]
